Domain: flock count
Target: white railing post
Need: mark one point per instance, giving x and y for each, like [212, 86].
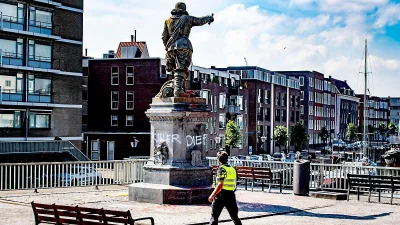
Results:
[1, 20]
[1, 56]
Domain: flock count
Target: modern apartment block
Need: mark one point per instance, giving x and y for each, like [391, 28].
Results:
[41, 70]
[317, 104]
[378, 112]
[395, 110]
[347, 107]
[120, 90]
[273, 100]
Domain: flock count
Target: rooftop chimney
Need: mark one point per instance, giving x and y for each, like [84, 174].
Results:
[345, 81]
[132, 38]
[85, 51]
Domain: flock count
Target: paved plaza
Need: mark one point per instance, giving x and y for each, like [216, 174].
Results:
[255, 207]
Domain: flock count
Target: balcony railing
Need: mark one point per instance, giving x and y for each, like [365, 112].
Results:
[10, 58]
[11, 22]
[233, 109]
[40, 27]
[14, 95]
[42, 146]
[11, 95]
[40, 62]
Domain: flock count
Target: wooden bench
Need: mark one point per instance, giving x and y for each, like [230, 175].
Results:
[58, 214]
[254, 175]
[371, 183]
[265, 176]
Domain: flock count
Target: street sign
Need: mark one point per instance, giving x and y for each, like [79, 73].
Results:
[250, 150]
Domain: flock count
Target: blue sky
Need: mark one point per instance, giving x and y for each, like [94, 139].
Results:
[323, 35]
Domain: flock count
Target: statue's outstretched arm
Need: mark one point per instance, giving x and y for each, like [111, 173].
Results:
[165, 34]
[200, 21]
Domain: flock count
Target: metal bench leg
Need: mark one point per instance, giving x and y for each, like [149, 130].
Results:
[379, 195]
[369, 195]
[269, 187]
[252, 186]
[262, 185]
[391, 197]
[358, 194]
[245, 184]
[348, 194]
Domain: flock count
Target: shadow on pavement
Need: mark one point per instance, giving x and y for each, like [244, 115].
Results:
[281, 209]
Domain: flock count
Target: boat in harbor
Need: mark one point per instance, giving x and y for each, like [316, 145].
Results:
[392, 157]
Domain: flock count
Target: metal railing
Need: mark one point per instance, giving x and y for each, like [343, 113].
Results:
[233, 109]
[42, 146]
[10, 20]
[322, 176]
[18, 176]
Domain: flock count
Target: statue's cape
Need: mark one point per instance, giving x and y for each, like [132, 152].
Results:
[176, 32]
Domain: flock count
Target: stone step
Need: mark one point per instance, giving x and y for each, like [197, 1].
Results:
[329, 195]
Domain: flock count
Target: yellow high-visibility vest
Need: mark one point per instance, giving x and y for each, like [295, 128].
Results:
[230, 179]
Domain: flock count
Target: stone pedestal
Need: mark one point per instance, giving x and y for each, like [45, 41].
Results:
[178, 172]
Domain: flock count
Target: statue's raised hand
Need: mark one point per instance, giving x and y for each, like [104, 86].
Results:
[211, 19]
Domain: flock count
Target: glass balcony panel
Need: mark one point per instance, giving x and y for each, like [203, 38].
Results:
[11, 95]
[39, 98]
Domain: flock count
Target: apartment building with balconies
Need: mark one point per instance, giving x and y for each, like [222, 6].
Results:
[41, 70]
[273, 100]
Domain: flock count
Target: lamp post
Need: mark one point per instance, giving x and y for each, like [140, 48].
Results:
[308, 145]
[218, 141]
[134, 142]
[263, 139]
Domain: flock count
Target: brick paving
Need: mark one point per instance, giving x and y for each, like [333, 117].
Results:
[262, 207]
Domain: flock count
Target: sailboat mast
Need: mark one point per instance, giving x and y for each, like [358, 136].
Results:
[365, 103]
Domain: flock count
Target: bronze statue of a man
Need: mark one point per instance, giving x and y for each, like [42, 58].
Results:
[178, 46]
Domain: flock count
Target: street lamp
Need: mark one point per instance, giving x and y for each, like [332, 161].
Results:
[263, 139]
[218, 141]
[134, 142]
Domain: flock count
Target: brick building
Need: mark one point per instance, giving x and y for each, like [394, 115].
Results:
[273, 100]
[120, 90]
[395, 110]
[378, 112]
[41, 70]
[347, 107]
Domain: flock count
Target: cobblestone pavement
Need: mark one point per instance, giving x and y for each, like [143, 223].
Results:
[255, 207]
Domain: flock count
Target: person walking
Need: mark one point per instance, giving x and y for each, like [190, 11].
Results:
[224, 192]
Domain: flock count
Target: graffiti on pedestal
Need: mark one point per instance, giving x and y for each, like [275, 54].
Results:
[192, 141]
[161, 153]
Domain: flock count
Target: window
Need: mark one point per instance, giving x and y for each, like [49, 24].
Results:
[10, 120]
[240, 102]
[311, 110]
[39, 51]
[301, 95]
[284, 115]
[266, 97]
[301, 81]
[95, 150]
[114, 120]
[114, 99]
[114, 75]
[129, 121]
[277, 115]
[12, 48]
[221, 121]
[259, 96]
[284, 99]
[129, 75]
[302, 109]
[222, 100]
[11, 84]
[239, 122]
[39, 120]
[129, 100]
[277, 97]
[84, 95]
[311, 81]
[39, 18]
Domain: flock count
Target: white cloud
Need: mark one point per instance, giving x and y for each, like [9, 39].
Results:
[389, 15]
[331, 42]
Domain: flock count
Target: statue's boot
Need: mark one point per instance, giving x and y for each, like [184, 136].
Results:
[179, 79]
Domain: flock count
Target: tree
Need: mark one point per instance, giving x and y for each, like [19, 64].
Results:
[324, 135]
[298, 135]
[232, 135]
[392, 128]
[382, 129]
[280, 136]
[351, 132]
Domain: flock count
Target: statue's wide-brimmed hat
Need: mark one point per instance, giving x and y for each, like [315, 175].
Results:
[180, 9]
